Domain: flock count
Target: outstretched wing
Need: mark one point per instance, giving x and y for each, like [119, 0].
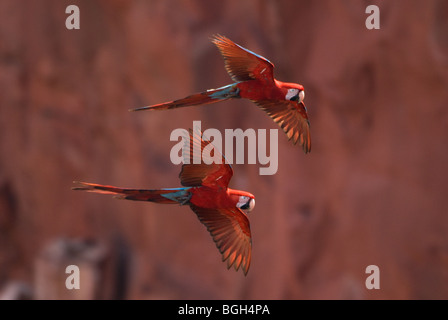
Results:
[203, 164]
[231, 232]
[291, 117]
[242, 64]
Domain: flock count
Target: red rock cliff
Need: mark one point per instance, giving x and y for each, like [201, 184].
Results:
[371, 192]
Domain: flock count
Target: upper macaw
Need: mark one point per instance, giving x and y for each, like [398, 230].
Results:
[254, 80]
[206, 191]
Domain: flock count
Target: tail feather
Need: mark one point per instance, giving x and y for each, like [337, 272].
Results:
[166, 196]
[207, 97]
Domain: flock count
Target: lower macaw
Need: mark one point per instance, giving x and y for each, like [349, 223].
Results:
[205, 189]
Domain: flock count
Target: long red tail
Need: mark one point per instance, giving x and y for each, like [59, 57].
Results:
[206, 97]
[166, 196]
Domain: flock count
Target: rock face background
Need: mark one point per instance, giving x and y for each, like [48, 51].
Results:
[373, 191]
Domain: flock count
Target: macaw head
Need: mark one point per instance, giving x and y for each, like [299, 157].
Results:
[295, 92]
[246, 203]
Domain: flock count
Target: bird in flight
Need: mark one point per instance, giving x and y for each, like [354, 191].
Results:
[205, 189]
[253, 77]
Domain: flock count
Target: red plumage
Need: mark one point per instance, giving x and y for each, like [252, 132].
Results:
[254, 80]
[205, 190]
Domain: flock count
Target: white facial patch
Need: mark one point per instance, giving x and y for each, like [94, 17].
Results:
[246, 203]
[242, 201]
[291, 93]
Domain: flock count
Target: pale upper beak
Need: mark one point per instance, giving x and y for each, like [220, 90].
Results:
[301, 96]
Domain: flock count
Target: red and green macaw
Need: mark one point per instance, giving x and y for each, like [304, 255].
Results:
[254, 80]
[205, 189]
